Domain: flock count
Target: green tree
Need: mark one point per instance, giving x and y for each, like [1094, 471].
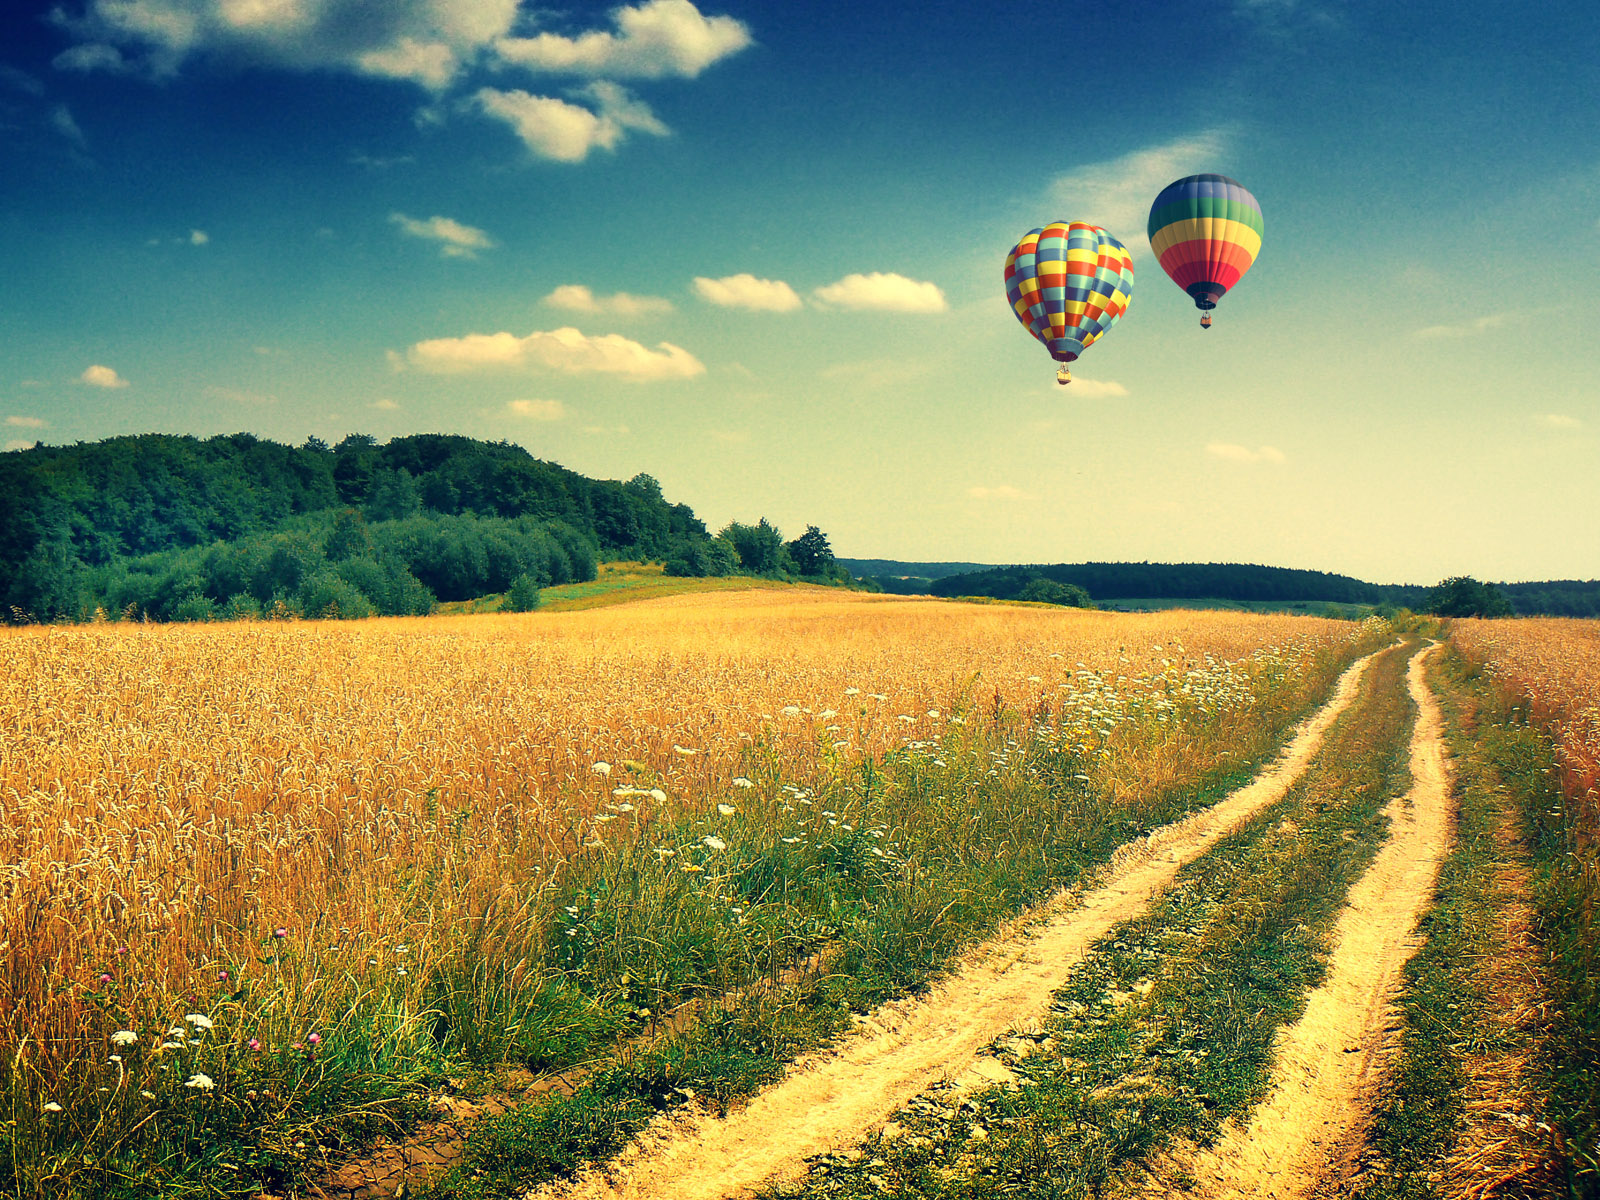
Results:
[523, 595]
[1047, 591]
[1464, 596]
[349, 538]
[811, 553]
[759, 546]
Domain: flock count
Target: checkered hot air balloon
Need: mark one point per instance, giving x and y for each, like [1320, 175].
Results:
[1068, 284]
[1205, 230]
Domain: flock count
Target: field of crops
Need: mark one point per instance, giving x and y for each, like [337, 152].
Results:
[263, 876]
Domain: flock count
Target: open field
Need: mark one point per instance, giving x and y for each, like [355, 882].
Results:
[294, 875]
[288, 905]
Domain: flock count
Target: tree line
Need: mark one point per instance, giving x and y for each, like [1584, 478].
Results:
[181, 528]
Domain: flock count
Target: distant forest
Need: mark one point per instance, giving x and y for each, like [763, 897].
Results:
[179, 528]
[1109, 582]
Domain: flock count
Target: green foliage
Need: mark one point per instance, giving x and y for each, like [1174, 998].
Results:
[759, 546]
[1048, 591]
[1464, 596]
[523, 594]
[715, 558]
[811, 553]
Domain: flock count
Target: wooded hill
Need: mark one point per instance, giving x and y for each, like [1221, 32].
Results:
[179, 528]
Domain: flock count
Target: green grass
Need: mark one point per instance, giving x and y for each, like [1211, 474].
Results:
[622, 583]
[972, 830]
[1165, 1030]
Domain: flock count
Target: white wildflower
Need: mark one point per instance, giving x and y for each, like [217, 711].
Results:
[200, 1082]
[52, 1106]
[124, 1037]
[742, 782]
[715, 843]
[199, 1020]
[726, 810]
[601, 768]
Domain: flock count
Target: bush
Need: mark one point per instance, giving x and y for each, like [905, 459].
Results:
[523, 595]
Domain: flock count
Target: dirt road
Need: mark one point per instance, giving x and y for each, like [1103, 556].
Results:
[830, 1100]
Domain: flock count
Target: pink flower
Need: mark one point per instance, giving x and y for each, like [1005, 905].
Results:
[222, 977]
[280, 932]
[105, 979]
[315, 1039]
[255, 1043]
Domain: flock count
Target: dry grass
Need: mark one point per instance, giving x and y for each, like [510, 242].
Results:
[389, 793]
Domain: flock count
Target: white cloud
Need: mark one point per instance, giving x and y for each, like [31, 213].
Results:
[1116, 194]
[456, 240]
[385, 404]
[26, 422]
[16, 444]
[565, 350]
[1558, 421]
[1094, 389]
[537, 410]
[61, 120]
[1232, 452]
[654, 40]
[552, 128]
[424, 41]
[1463, 329]
[746, 291]
[575, 297]
[198, 237]
[1003, 492]
[103, 377]
[885, 292]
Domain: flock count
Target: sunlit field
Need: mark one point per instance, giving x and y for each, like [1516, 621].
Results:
[264, 879]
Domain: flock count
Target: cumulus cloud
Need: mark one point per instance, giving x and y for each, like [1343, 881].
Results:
[26, 422]
[575, 297]
[102, 377]
[1003, 492]
[455, 239]
[1232, 452]
[1462, 329]
[746, 291]
[1116, 194]
[885, 292]
[654, 40]
[556, 129]
[385, 404]
[198, 237]
[1558, 421]
[424, 41]
[537, 410]
[565, 350]
[1095, 389]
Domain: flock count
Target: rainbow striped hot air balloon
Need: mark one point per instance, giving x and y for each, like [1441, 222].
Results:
[1205, 230]
[1068, 284]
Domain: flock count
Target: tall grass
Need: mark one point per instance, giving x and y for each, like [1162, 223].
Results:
[267, 881]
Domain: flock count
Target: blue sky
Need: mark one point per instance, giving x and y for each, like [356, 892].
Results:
[755, 249]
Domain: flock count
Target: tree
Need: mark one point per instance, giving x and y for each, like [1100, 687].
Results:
[1047, 591]
[811, 553]
[1464, 596]
[393, 496]
[759, 546]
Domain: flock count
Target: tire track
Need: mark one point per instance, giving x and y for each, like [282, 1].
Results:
[832, 1098]
[1327, 1064]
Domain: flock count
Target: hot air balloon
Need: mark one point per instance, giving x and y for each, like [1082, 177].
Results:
[1205, 230]
[1068, 284]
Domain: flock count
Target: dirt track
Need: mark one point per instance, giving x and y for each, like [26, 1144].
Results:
[1326, 1064]
[830, 1100]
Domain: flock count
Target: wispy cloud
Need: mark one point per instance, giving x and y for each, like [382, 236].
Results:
[654, 40]
[564, 350]
[1094, 389]
[102, 377]
[537, 410]
[62, 122]
[1463, 329]
[746, 291]
[385, 404]
[1557, 421]
[561, 131]
[17, 422]
[455, 239]
[1116, 194]
[424, 41]
[575, 297]
[884, 292]
[1232, 452]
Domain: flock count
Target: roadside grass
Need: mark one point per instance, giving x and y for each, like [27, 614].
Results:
[1165, 1030]
[890, 869]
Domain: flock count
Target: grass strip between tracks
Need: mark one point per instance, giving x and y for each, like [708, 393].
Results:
[1486, 1094]
[1166, 1029]
[1017, 837]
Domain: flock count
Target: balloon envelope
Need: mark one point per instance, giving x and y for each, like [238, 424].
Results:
[1068, 283]
[1205, 230]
